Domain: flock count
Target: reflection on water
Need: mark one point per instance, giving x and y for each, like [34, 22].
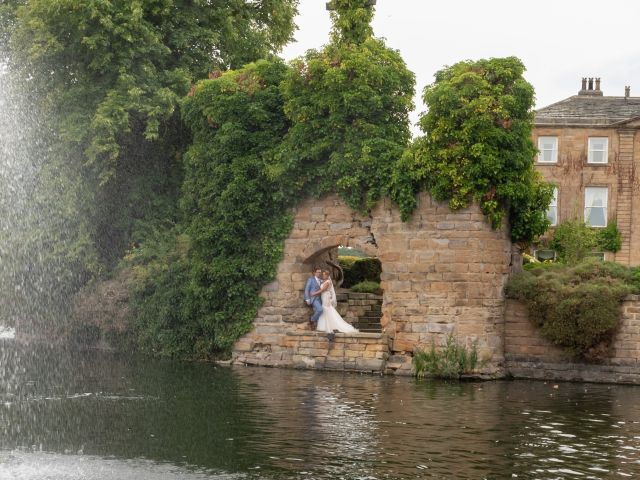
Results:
[7, 333]
[68, 415]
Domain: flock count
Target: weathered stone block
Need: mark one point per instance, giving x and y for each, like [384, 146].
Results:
[405, 342]
[370, 364]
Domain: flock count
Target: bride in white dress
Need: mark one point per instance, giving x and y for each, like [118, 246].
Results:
[330, 321]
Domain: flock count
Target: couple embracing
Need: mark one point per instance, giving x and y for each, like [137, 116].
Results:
[321, 296]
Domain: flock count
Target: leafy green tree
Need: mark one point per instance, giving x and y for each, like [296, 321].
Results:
[349, 106]
[573, 240]
[108, 78]
[477, 147]
[111, 67]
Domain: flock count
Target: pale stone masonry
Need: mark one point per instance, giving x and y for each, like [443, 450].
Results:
[572, 123]
[442, 272]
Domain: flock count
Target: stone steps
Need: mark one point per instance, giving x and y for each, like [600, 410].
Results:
[368, 324]
[362, 310]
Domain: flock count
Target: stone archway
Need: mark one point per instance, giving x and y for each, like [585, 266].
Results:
[362, 309]
[442, 273]
[319, 229]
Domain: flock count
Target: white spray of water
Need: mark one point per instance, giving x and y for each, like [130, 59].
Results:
[18, 159]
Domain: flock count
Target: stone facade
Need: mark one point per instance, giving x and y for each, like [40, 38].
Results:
[528, 355]
[572, 122]
[443, 273]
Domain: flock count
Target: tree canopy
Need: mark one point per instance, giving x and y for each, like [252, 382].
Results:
[107, 78]
[111, 67]
[478, 147]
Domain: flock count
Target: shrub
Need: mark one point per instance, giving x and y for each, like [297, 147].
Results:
[360, 270]
[367, 287]
[350, 252]
[635, 278]
[574, 240]
[347, 261]
[576, 307]
[609, 238]
[451, 361]
[538, 265]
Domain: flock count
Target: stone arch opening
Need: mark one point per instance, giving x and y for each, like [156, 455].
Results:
[356, 277]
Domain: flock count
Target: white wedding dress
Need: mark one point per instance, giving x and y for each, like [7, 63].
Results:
[330, 320]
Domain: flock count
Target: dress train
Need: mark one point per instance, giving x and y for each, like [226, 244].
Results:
[330, 320]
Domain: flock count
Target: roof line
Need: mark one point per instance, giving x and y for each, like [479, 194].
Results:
[557, 103]
[628, 120]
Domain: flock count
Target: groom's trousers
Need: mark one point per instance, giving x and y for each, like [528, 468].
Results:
[317, 309]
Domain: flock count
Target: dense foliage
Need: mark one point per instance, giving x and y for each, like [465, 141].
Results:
[576, 307]
[358, 270]
[478, 147]
[108, 77]
[609, 238]
[349, 106]
[234, 215]
[573, 240]
[367, 286]
[114, 68]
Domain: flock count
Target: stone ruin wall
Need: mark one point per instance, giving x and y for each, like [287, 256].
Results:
[442, 272]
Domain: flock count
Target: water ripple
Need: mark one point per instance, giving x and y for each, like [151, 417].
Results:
[207, 422]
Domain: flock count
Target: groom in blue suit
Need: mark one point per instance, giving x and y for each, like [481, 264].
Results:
[312, 297]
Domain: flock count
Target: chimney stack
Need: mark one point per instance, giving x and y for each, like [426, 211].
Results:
[627, 92]
[588, 87]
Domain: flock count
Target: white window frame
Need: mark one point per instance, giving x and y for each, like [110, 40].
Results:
[591, 150]
[554, 150]
[587, 208]
[554, 205]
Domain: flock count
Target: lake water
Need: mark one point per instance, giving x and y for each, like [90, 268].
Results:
[89, 416]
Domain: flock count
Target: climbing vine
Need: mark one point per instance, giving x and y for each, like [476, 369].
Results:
[349, 106]
[477, 147]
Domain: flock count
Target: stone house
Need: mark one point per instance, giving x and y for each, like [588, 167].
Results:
[589, 147]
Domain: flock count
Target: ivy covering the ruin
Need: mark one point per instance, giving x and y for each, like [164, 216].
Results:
[477, 147]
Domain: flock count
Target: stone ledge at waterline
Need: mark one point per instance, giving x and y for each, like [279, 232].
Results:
[528, 355]
[442, 272]
[360, 352]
